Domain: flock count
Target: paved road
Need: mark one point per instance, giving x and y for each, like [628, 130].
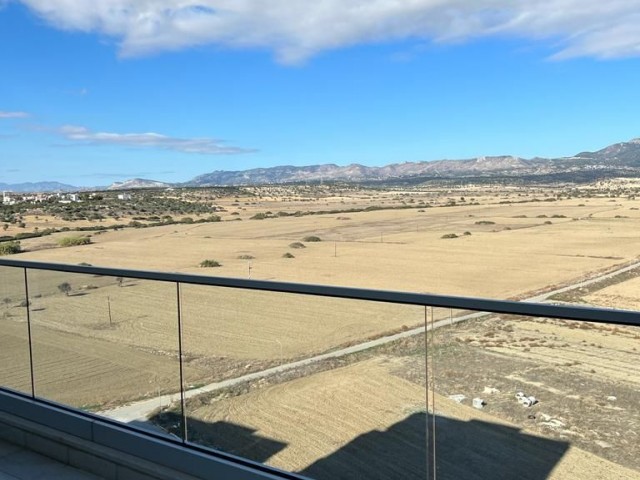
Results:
[140, 411]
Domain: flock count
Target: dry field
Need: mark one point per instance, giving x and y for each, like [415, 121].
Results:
[625, 295]
[390, 249]
[84, 372]
[107, 343]
[366, 421]
[582, 374]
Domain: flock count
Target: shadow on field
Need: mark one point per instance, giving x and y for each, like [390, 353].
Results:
[463, 450]
[224, 436]
[467, 450]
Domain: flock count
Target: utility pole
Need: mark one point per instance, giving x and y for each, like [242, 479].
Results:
[249, 268]
[109, 308]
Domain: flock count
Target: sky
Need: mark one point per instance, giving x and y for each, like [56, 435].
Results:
[97, 92]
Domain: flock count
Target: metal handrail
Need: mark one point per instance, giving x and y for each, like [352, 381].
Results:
[525, 308]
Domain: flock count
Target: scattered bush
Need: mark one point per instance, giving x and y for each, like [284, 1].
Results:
[65, 288]
[449, 235]
[485, 222]
[467, 233]
[297, 245]
[246, 257]
[73, 241]
[312, 238]
[210, 264]
[9, 248]
[259, 216]
[547, 222]
[288, 255]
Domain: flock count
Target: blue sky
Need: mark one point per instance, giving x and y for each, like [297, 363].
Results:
[95, 94]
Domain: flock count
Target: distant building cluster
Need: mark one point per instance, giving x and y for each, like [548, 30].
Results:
[11, 198]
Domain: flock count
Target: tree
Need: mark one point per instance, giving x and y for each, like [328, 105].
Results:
[5, 226]
[6, 301]
[119, 281]
[65, 288]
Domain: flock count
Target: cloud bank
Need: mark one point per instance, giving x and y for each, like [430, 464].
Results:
[205, 146]
[298, 29]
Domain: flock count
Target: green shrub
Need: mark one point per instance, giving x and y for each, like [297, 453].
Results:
[9, 248]
[73, 241]
[297, 245]
[210, 264]
[449, 235]
[288, 255]
[312, 238]
[467, 233]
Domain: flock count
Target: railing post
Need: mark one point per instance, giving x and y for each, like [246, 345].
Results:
[27, 306]
[183, 411]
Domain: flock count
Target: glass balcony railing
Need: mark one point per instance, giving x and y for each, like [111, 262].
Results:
[329, 382]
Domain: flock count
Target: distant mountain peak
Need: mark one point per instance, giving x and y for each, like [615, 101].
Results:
[137, 183]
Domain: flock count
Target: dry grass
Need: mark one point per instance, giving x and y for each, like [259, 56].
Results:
[388, 249]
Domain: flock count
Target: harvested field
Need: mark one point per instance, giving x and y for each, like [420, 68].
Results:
[390, 249]
[217, 322]
[365, 421]
[84, 372]
[625, 295]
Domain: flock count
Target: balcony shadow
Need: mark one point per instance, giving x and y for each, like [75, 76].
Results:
[224, 436]
[464, 449]
[470, 450]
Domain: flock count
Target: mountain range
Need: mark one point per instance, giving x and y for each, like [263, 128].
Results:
[621, 159]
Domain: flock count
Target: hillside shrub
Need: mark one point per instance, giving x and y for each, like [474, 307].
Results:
[73, 241]
[210, 263]
[297, 245]
[312, 238]
[288, 255]
[10, 248]
[449, 235]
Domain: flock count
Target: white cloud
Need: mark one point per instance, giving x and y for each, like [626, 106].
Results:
[13, 114]
[206, 146]
[298, 29]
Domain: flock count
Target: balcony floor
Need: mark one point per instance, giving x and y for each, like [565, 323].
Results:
[17, 463]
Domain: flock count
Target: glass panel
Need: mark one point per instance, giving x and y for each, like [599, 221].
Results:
[14, 331]
[102, 342]
[314, 385]
[519, 397]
